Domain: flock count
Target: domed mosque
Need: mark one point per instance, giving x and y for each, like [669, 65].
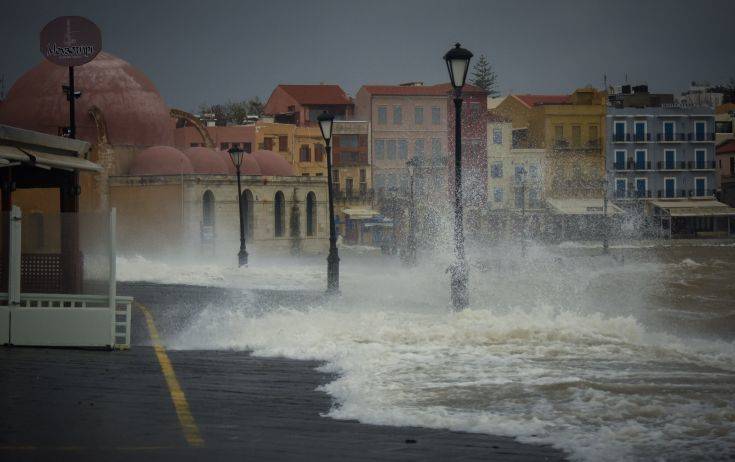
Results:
[166, 200]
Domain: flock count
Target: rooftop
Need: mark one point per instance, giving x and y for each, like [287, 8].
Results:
[441, 89]
[317, 94]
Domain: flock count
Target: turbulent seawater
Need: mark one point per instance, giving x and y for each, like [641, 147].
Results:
[622, 357]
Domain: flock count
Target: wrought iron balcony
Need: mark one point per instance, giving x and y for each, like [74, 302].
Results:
[701, 137]
[641, 137]
[701, 165]
[671, 137]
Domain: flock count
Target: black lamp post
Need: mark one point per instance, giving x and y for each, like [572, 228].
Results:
[236, 155]
[326, 122]
[410, 259]
[605, 223]
[458, 62]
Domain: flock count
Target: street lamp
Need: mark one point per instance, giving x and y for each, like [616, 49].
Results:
[458, 62]
[326, 122]
[605, 224]
[236, 155]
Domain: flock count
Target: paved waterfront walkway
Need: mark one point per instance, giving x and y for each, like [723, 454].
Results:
[96, 405]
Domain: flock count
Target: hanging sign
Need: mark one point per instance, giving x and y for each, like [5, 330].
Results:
[70, 41]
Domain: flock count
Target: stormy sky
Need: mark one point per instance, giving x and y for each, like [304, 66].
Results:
[214, 51]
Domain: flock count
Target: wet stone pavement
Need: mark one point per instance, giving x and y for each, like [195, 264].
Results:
[61, 404]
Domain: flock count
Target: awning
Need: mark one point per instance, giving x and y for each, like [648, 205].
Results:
[46, 160]
[695, 208]
[582, 207]
[360, 213]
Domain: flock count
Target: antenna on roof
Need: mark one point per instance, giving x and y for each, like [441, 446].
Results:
[604, 81]
[626, 77]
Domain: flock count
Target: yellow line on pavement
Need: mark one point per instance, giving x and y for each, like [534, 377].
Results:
[188, 425]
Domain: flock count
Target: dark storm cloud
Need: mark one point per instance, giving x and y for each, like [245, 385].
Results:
[219, 50]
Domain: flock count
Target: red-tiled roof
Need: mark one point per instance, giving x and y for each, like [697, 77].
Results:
[317, 94]
[726, 147]
[535, 100]
[419, 90]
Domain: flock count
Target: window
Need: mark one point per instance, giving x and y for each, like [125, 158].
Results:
[304, 174]
[640, 159]
[668, 131]
[248, 147]
[497, 136]
[418, 115]
[576, 135]
[723, 126]
[304, 154]
[418, 148]
[310, 213]
[379, 149]
[402, 149]
[283, 143]
[474, 109]
[620, 159]
[519, 199]
[669, 159]
[391, 149]
[194, 145]
[382, 115]
[498, 194]
[208, 209]
[318, 174]
[279, 214]
[639, 130]
[335, 180]
[700, 127]
[348, 187]
[641, 186]
[620, 187]
[348, 141]
[318, 153]
[533, 171]
[397, 115]
[670, 187]
[619, 132]
[436, 115]
[379, 181]
[700, 186]
[496, 170]
[699, 156]
[268, 144]
[436, 147]
[594, 135]
[558, 132]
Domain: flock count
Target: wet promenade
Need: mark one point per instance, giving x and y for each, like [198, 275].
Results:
[222, 405]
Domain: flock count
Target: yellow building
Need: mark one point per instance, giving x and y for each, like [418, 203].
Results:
[302, 147]
[571, 129]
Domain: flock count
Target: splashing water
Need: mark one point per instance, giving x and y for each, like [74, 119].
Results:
[567, 347]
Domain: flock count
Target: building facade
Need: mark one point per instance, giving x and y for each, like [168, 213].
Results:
[660, 152]
[302, 147]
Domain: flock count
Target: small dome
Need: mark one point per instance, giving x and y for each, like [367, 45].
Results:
[272, 164]
[206, 161]
[160, 160]
[249, 165]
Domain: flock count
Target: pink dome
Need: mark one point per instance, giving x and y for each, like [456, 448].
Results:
[272, 164]
[160, 160]
[249, 165]
[134, 111]
[206, 161]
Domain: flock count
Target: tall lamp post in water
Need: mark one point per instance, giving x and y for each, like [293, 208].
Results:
[521, 178]
[236, 155]
[410, 259]
[605, 222]
[326, 122]
[458, 62]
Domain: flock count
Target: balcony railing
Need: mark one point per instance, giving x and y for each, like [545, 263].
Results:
[671, 165]
[619, 138]
[682, 193]
[641, 137]
[671, 137]
[633, 194]
[563, 144]
[702, 165]
[701, 137]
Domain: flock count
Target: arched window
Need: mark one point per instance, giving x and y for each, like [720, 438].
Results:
[247, 213]
[208, 209]
[310, 214]
[279, 211]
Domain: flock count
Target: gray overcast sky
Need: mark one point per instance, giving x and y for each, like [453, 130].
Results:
[196, 51]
